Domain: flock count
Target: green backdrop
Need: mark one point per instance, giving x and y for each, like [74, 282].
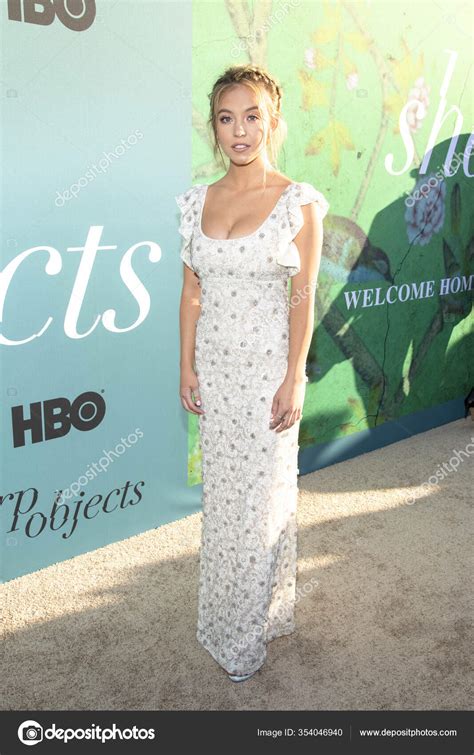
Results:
[347, 71]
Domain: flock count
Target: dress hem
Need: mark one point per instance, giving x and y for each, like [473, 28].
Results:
[218, 658]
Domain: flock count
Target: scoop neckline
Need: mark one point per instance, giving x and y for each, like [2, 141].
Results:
[248, 235]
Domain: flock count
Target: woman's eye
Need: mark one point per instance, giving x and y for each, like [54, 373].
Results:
[223, 118]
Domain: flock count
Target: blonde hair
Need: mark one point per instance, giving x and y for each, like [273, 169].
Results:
[266, 88]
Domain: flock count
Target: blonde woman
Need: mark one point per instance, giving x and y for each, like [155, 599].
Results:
[242, 362]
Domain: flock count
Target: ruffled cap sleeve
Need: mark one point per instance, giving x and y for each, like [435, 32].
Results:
[292, 222]
[188, 204]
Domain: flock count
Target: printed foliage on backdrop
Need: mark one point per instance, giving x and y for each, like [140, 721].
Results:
[393, 315]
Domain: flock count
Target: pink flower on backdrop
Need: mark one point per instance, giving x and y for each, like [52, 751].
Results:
[418, 97]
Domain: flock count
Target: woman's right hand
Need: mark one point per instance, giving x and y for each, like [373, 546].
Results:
[189, 386]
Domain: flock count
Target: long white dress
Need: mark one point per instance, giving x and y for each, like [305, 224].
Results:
[248, 555]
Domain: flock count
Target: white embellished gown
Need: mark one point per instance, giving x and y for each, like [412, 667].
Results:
[248, 555]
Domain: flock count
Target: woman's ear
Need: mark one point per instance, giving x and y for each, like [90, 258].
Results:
[274, 122]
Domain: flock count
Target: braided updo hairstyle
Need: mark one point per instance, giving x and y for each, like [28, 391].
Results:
[268, 92]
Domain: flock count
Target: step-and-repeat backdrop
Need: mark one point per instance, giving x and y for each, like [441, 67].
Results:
[104, 111]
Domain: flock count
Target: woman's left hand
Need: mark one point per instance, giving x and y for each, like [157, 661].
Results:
[287, 405]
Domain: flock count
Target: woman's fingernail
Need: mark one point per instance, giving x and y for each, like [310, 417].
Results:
[198, 402]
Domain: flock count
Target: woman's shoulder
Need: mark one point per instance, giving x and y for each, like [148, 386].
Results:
[304, 192]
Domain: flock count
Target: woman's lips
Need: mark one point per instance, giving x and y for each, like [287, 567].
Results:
[239, 148]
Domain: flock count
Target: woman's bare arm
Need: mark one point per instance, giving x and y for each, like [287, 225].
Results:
[189, 312]
[303, 289]
[287, 405]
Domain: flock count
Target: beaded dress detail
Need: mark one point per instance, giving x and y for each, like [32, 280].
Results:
[248, 555]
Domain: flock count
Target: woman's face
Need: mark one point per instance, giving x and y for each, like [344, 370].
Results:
[240, 122]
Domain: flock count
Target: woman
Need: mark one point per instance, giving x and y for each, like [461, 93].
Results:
[243, 358]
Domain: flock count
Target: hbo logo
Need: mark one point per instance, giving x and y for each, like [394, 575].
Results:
[77, 15]
[53, 418]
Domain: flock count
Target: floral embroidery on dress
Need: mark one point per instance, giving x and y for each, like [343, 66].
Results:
[248, 555]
